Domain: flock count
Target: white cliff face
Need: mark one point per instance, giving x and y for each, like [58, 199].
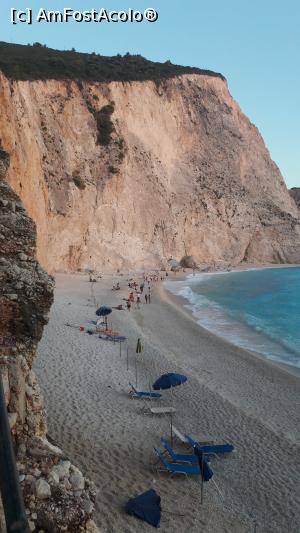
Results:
[185, 173]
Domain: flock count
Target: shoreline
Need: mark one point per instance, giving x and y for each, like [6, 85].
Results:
[184, 304]
[230, 396]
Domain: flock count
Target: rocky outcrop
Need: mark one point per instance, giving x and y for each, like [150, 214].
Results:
[188, 262]
[129, 174]
[26, 294]
[295, 194]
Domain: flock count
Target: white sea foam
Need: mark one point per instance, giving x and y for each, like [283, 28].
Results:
[248, 332]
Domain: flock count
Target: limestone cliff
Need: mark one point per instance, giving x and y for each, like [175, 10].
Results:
[26, 294]
[129, 174]
[295, 194]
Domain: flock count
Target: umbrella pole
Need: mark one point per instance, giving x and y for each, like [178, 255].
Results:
[120, 349]
[136, 377]
[202, 479]
[172, 417]
[127, 358]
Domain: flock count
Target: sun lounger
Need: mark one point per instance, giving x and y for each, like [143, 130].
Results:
[113, 338]
[182, 438]
[143, 395]
[106, 331]
[210, 449]
[176, 468]
[162, 410]
[117, 338]
[179, 457]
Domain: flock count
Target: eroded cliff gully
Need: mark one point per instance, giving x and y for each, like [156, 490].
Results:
[182, 171]
[57, 496]
[295, 194]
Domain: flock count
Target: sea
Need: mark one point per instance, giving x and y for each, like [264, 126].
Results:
[256, 309]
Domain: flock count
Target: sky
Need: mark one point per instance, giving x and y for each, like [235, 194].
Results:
[255, 44]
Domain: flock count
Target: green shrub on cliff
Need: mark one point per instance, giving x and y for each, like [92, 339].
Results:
[78, 181]
[40, 63]
[104, 124]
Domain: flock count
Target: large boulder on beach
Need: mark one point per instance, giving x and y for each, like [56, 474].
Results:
[174, 265]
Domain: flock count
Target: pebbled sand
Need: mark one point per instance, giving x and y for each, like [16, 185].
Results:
[231, 395]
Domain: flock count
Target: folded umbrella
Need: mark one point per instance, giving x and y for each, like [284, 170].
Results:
[139, 346]
[205, 469]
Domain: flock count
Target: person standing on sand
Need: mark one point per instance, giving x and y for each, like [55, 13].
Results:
[149, 297]
[138, 301]
[146, 298]
[131, 297]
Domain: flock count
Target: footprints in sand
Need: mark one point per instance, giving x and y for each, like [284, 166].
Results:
[108, 437]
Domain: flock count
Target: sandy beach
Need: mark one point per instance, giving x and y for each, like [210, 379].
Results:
[230, 396]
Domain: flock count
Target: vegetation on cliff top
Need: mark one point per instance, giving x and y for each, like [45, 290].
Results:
[38, 62]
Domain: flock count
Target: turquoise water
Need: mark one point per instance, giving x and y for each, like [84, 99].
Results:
[257, 309]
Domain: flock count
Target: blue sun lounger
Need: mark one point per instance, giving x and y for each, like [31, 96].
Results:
[143, 395]
[210, 449]
[179, 457]
[176, 468]
[113, 338]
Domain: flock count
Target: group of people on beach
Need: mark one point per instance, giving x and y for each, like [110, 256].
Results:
[135, 296]
[139, 291]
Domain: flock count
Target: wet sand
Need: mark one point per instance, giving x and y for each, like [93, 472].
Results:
[231, 395]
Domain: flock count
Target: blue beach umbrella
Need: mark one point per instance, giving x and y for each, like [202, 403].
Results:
[168, 381]
[104, 311]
